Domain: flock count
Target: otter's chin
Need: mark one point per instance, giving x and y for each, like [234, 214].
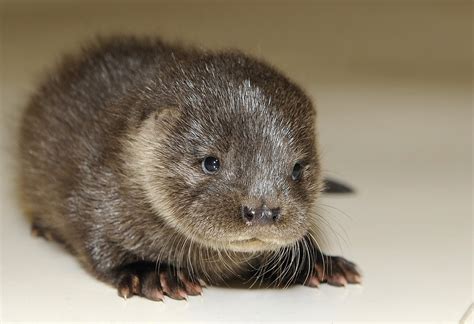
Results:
[246, 244]
[252, 245]
[256, 245]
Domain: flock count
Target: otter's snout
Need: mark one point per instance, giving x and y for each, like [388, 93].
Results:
[261, 215]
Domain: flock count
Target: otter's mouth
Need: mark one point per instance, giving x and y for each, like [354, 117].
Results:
[247, 244]
[245, 241]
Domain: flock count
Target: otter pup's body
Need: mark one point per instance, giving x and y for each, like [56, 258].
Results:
[158, 166]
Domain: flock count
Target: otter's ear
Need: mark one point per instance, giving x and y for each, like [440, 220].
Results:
[166, 116]
[160, 121]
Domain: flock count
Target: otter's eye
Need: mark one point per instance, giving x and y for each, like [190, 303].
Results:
[210, 165]
[297, 171]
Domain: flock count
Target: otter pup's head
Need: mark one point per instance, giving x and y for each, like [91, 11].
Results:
[227, 152]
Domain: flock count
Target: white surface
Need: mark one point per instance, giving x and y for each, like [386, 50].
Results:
[393, 87]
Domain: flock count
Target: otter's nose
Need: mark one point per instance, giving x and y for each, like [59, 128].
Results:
[261, 215]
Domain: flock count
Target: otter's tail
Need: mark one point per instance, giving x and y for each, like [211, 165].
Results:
[332, 186]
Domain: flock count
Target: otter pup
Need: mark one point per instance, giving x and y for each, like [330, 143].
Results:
[162, 167]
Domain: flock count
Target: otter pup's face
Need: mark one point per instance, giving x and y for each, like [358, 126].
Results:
[234, 165]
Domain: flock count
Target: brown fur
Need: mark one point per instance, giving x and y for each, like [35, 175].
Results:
[111, 149]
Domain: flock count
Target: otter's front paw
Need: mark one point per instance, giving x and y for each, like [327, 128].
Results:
[336, 271]
[143, 279]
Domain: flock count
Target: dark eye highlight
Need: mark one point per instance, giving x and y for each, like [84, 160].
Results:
[210, 165]
[297, 171]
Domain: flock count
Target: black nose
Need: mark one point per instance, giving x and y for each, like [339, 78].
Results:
[260, 215]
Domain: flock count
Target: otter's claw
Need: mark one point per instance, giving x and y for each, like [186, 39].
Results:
[144, 280]
[337, 271]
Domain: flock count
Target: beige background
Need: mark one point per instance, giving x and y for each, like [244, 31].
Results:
[392, 82]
